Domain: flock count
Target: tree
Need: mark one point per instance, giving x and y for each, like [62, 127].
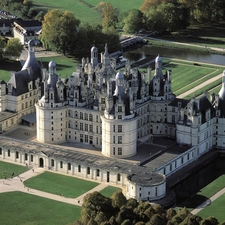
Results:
[192, 220]
[134, 21]
[118, 199]
[109, 14]
[59, 29]
[2, 46]
[170, 213]
[147, 4]
[100, 218]
[94, 204]
[13, 48]
[209, 221]
[40, 16]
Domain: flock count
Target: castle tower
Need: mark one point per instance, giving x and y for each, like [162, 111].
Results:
[51, 113]
[94, 56]
[222, 90]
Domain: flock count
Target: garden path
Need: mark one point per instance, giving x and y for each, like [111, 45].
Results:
[208, 201]
[200, 86]
[16, 184]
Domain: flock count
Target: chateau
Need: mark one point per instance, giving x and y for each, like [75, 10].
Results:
[118, 112]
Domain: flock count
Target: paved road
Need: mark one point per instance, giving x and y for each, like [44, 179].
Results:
[16, 184]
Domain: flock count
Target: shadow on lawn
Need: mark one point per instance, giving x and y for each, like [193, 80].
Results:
[9, 65]
[194, 201]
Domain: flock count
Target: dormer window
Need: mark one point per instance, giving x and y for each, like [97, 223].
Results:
[120, 109]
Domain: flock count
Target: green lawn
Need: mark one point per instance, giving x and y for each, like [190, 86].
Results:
[215, 208]
[59, 184]
[108, 191]
[205, 193]
[6, 66]
[65, 66]
[80, 10]
[121, 5]
[185, 76]
[6, 169]
[19, 208]
[84, 10]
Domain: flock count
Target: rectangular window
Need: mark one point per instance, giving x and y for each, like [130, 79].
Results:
[31, 158]
[69, 166]
[61, 164]
[86, 138]
[114, 150]
[8, 153]
[114, 128]
[119, 151]
[79, 168]
[120, 140]
[173, 118]
[86, 116]
[52, 163]
[97, 129]
[97, 173]
[120, 129]
[17, 155]
[81, 126]
[118, 177]
[86, 127]
[102, 101]
[90, 128]
[96, 118]
[88, 170]
[26, 157]
[81, 115]
[119, 108]
[120, 117]
[114, 139]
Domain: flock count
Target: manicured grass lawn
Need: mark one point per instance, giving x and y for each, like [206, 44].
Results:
[108, 191]
[65, 66]
[205, 193]
[19, 208]
[185, 76]
[6, 66]
[215, 209]
[6, 169]
[59, 184]
[80, 10]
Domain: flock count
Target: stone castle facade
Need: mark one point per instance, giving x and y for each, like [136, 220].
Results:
[113, 110]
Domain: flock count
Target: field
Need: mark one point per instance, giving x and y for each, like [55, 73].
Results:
[215, 208]
[65, 66]
[70, 187]
[108, 191]
[6, 66]
[202, 34]
[85, 10]
[19, 208]
[204, 194]
[7, 169]
[186, 75]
